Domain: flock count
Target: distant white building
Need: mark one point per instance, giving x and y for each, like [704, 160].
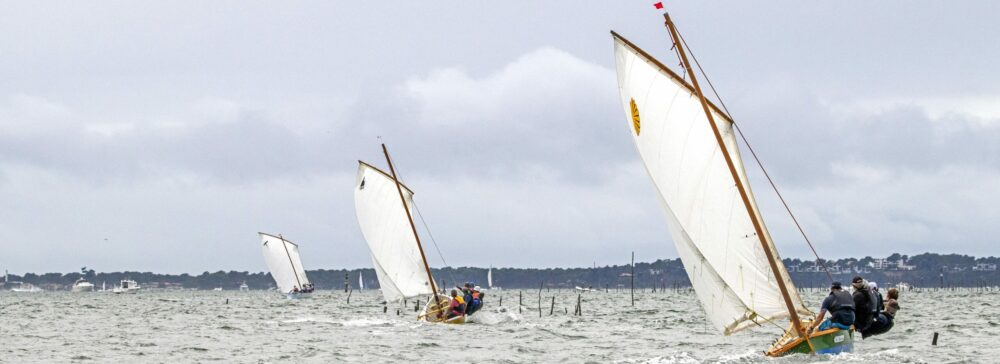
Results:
[879, 264]
[902, 265]
[985, 267]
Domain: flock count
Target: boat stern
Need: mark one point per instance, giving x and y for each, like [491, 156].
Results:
[830, 341]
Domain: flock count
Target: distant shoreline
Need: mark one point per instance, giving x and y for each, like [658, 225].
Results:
[919, 271]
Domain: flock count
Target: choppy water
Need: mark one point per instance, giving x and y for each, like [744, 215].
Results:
[665, 327]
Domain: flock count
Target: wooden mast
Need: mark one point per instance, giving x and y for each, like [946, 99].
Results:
[290, 261]
[413, 227]
[758, 227]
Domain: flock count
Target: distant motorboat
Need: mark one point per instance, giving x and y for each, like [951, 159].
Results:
[81, 285]
[24, 287]
[244, 287]
[217, 289]
[903, 286]
[581, 289]
[17, 286]
[126, 286]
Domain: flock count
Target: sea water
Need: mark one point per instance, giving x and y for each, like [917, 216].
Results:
[262, 327]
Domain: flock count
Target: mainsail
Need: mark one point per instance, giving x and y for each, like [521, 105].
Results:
[361, 281]
[398, 264]
[282, 258]
[708, 221]
[489, 278]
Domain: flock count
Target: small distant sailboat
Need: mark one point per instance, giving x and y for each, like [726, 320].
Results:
[282, 258]
[489, 280]
[361, 281]
[126, 286]
[383, 206]
[690, 152]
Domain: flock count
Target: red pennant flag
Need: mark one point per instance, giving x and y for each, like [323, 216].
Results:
[658, 5]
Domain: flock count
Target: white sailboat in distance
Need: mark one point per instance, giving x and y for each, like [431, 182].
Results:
[282, 258]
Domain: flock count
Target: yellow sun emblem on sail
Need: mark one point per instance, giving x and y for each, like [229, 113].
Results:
[635, 115]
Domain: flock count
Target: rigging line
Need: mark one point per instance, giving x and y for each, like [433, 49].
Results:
[434, 242]
[431, 235]
[819, 261]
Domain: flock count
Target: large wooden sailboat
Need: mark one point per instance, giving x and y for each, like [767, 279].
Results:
[689, 149]
[282, 258]
[384, 206]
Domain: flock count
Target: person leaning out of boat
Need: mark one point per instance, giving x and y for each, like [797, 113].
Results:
[876, 299]
[477, 301]
[863, 304]
[466, 295]
[457, 307]
[885, 319]
[877, 296]
[840, 305]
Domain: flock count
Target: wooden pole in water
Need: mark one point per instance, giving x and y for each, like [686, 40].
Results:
[349, 296]
[579, 304]
[553, 306]
[934, 341]
[501, 301]
[632, 279]
[520, 300]
[540, 285]
[758, 226]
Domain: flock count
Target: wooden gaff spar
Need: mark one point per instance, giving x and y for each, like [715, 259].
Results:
[689, 149]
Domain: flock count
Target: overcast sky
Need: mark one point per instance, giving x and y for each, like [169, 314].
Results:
[163, 136]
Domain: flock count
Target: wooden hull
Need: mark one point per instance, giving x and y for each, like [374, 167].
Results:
[831, 341]
[432, 310]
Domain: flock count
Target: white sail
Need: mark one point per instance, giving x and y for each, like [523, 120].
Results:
[400, 269]
[361, 281]
[708, 221]
[489, 278]
[282, 258]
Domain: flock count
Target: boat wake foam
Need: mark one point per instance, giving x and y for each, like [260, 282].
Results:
[494, 316]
